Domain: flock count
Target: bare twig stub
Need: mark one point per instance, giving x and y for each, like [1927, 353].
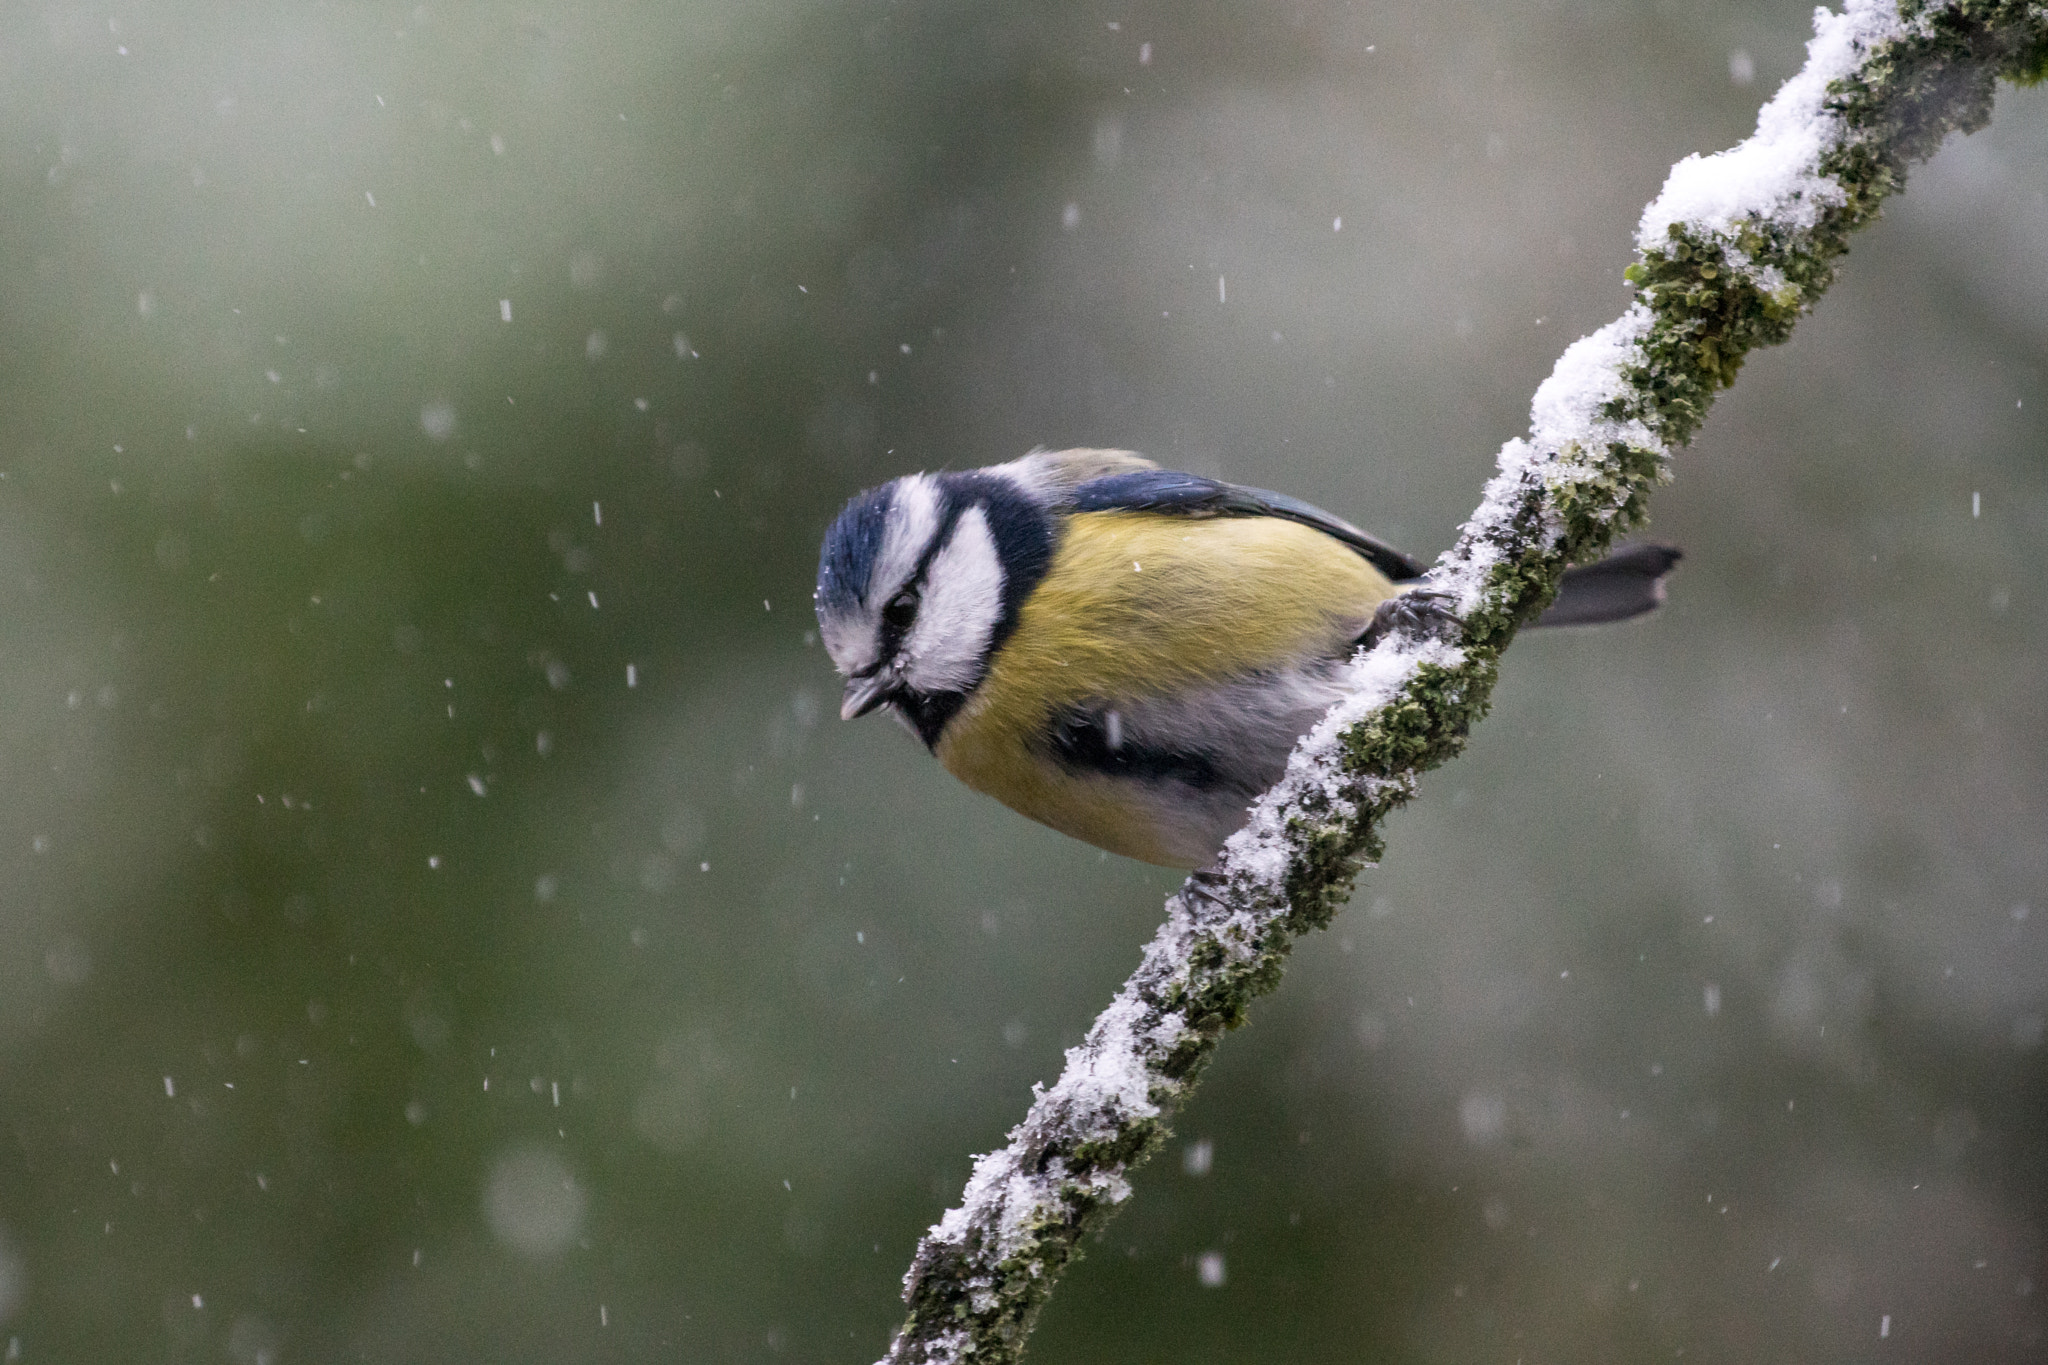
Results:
[1730, 254]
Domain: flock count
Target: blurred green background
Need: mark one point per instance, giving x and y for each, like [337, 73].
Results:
[442, 920]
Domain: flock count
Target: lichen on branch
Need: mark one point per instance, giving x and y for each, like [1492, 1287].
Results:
[1733, 251]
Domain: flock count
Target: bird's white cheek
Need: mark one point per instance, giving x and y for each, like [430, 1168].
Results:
[963, 599]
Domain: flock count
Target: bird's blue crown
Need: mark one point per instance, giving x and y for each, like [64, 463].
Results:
[847, 560]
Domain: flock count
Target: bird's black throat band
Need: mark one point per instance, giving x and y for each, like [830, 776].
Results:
[929, 712]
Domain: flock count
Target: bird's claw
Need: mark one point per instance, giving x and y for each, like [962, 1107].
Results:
[1421, 611]
[1207, 884]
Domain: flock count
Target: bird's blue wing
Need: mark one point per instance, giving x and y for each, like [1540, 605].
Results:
[1172, 493]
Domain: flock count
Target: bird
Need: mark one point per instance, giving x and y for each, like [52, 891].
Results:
[1123, 652]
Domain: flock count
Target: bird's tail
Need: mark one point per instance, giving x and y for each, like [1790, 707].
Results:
[1627, 583]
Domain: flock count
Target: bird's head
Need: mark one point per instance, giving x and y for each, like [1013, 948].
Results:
[919, 582]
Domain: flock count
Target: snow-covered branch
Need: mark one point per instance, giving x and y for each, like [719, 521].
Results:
[1730, 254]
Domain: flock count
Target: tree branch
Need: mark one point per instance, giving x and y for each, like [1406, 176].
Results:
[1730, 254]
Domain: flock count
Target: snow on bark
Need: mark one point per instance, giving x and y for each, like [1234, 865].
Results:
[1776, 173]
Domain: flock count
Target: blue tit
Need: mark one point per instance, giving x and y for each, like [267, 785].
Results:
[1122, 652]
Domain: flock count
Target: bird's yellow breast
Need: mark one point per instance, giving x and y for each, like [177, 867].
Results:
[1139, 605]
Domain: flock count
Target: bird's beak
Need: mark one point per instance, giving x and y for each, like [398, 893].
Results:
[865, 694]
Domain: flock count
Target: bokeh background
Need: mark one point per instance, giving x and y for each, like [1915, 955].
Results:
[442, 919]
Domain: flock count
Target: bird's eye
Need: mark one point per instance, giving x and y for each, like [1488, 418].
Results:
[901, 611]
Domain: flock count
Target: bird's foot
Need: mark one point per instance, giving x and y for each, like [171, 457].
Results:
[1421, 611]
[1207, 884]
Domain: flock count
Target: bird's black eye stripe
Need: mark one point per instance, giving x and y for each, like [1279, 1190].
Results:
[901, 610]
[899, 613]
